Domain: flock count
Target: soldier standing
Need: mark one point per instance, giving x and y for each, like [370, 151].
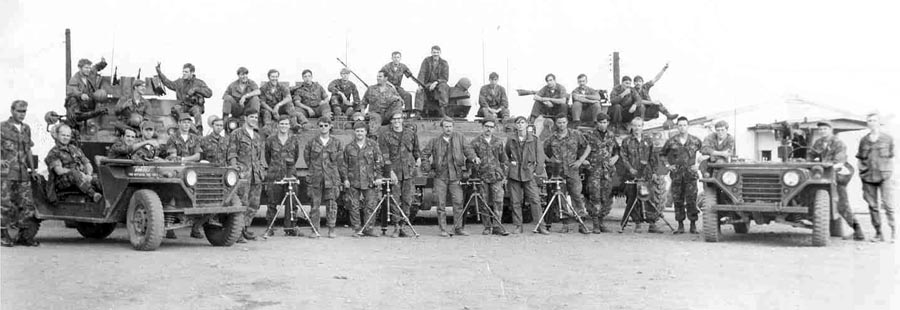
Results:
[382, 100]
[80, 102]
[680, 157]
[344, 95]
[447, 154]
[310, 98]
[395, 71]
[400, 147]
[637, 153]
[434, 73]
[323, 156]
[829, 149]
[876, 151]
[526, 167]
[282, 153]
[493, 101]
[17, 167]
[245, 152]
[213, 148]
[190, 92]
[242, 94]
[490, 161]
[602, 159]
[362, 164]
[569, 149]
[718, 146]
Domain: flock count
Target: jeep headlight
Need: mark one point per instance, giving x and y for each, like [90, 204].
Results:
[231, 178]
[190, 177]
[729, 178]
[791, 178]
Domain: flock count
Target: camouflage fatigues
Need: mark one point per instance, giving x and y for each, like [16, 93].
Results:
[16, 204]
[146, 152]
[272, 94]
[191, 95]
[383, 102]
[338, 106]
[684, 177]
[311, 94]
[232, 98]
[361, 167]
[712, 143]
[178, 146]
[281, 158]
[213, 148]
[640, 156]
[119, 150]
[77, 109]
[494, 97]
[395, 73]
[492, 172]
[127, 106]
[324, 179]
[620, 104]
[70, 157]
[603, 148]
[565, 151]
[400, 151]
[245, 152]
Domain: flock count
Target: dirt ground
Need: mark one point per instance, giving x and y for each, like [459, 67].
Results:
[773, 267]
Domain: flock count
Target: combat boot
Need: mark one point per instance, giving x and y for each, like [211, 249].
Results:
[5, 239]
[487, 231]
[249, 235]
[637, 228]
[313, 231]
[654, 229]
[460, 231]
[331, 233]
[680, 229]
[442, 224]
[543, 230]
[694, 227]
[598, 224]
[396, 232]
[583, 229]
[858, 234]
[170, 234]
[517, 230]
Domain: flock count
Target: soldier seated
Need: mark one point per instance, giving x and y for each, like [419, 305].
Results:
[310, 97]
[147, 149]
[132, 110]
[344, 95]
[493, 100]
[69, 167]
[128, 143]
[83, 92]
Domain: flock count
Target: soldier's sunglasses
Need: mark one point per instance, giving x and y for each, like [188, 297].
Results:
[323, 125]
[21, 111]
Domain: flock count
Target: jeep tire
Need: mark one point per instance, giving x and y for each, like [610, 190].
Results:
[97, 231]
[710, 218]
[145, 220]
[821, 220]
[228, 233]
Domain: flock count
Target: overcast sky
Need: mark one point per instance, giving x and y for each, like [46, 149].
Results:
[721, 54]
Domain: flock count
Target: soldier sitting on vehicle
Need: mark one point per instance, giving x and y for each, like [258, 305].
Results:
[344, 95]
[190, 92]
[132, 110]
[148, 150]
[128, 143]
[83, 93]
[382, 101]
[69, 167]
[183, 146]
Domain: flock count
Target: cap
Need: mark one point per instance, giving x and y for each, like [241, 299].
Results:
[520, 118]
[148, 124]
[212, 119]
[358, 125]
[824, 123]
[184, 116]
[358, 116]
[488, 120]
[345, 71]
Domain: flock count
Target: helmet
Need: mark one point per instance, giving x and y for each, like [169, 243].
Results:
[100, 96]
[51, 118]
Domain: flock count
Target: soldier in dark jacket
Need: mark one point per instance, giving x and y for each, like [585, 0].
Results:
[396, 70]
[282, 154]
[69, 167]
[400, 148]
[80, 102]
[680, 156]
[190, 92]
[362, 164]
[323, 157]
[875, 154]
[625, 103]
[447, 155]
[434, 73]
[526, 167]
[490, 167]
[246, 152]
[16, 204]
[493, 100]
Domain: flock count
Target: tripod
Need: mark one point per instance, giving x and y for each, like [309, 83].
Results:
[387, 202]
[480, 205]
[642, 196]
[291, 197]
[559, 197]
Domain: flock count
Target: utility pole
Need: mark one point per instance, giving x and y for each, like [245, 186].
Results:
[615, 68]
[68, 56]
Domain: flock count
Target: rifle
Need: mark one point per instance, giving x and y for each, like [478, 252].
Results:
[422, 85]
[354, 73]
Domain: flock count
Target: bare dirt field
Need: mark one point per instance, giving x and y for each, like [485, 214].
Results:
[773, 267]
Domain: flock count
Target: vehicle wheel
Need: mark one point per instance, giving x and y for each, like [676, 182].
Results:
[821, 222]
[228, 233]
[837, 227]
[741, 228]
[95, 230]
[710, 217]
[145, 220]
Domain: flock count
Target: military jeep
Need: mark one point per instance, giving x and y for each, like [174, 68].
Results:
[801, 194]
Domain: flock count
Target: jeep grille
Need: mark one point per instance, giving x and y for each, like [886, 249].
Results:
[210, 188]
[761, 187]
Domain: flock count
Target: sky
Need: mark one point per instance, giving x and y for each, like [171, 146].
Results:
[721, 54]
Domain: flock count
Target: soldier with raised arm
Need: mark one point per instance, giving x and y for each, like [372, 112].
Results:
[190, 92]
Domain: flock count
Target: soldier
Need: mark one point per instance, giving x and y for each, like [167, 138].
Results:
[128, 143]
[190, 92]
[242, 94]
[550, 101]
[310, 98]
[625, 104]
[361, 168]
[680, 156]
[493, 101]
[81, 104]
[719, 146]
[382, 100]
[344, 95]
[526, 168]
[15, 185]
[396, 70]
[69, 168]
[183, 146]
[652, 107]
[638, 158]
[132, 110]
[491, 162]
[447, 154]
[434, 73]
[585, 98]
[569, 149]
[245, 152]
[282, 153]
[214, 145]
[400, 147]
[602, 159]
[148, 148]
[275, 100]
[829, 149]
[876, 151]
[323, 156]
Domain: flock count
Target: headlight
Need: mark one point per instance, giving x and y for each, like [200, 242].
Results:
[791, 178]
[231, 178]
[233, 124]
[729, 178]
[190, 177]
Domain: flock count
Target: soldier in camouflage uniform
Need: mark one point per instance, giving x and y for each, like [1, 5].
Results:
[69, 167]
[490, 161]
[282, 153]
[132, 109]
[245, 152]
[400, 148]
[275, 100]
[638, 158]
[212, 150]
[361, 166]
[569, 149]
[183, 146]
[602, 160]
[310, 98]
[190, 92]
[15, 185]
[80, 102]
[323, 156]
[680, 156]
[396, 70]
[344, 95]
[447, 155]
[383, 101]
